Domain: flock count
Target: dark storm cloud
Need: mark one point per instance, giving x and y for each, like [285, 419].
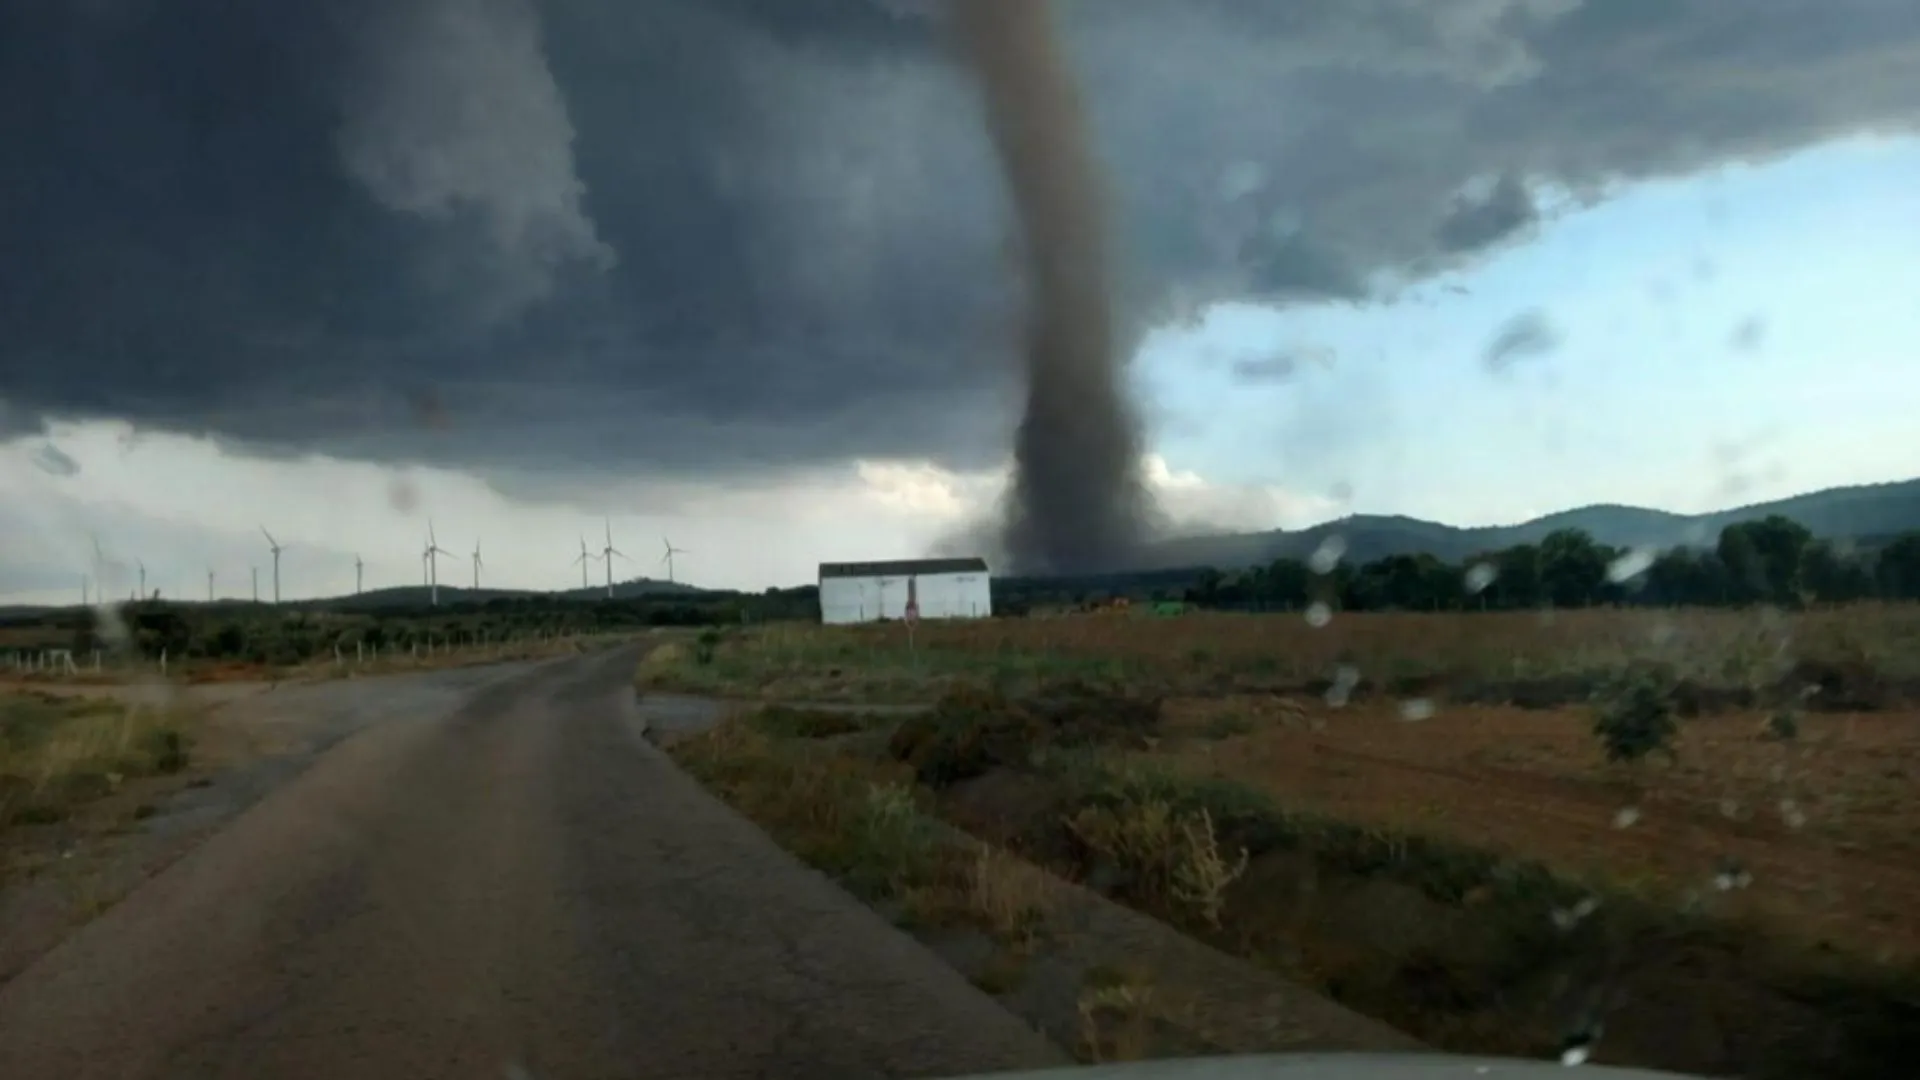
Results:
[1266, 369]
[716, 234]
[1527, 336]
[1482, 222]
[1282, 365]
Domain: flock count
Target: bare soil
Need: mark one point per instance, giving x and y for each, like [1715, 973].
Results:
[1825, 827]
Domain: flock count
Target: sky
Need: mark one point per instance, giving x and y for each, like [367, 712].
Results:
[1384, 257]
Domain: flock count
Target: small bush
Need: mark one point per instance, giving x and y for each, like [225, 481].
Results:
[1783, 725]
[1162, 854]
[706, 645]
[857, 821]
[1636, 718]
[167, 750]
[786, 722]
[970, 732]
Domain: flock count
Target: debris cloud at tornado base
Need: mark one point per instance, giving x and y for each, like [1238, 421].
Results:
[1077, 503]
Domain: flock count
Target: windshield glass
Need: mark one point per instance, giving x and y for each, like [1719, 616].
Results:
[1231, 526]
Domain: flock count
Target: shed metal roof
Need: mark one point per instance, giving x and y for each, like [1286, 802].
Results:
[902, 568]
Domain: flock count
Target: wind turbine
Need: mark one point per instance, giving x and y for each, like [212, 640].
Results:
[86, 595]
[584, 558]
[101, 566]
[143, 577]
[99, 572]
[209, 584]
[359, 574]
[477, 564]
[431, 557]
[274, 545]
[671, 552]
[256, 584]
[608, 553]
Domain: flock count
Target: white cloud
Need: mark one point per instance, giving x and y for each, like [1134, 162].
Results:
[186, 505]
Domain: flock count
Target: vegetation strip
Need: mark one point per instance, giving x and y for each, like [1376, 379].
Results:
[1094, 976]
[1466, 948]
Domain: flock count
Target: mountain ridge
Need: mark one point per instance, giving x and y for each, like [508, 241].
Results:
[1861, 513]
[1866, 515]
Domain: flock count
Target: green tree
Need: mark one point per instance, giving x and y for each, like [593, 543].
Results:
[1687, 576]
[1825, 575]
[1573, 569]
[1288, 583]
[1517, 582]
[1898, 568]
[1763, 557]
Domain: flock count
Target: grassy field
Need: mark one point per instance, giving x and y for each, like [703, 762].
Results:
[1865, 654]
[1411, 813]
[73, 766]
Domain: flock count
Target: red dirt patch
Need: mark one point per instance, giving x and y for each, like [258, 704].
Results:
[1823, 826]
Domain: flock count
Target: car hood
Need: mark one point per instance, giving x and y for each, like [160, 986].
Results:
[1333, 1067]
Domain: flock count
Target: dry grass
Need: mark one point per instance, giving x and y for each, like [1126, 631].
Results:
[387, 663]
[1012, 899]
[57, 753]
[1208, 652]
[349, 664]
[864, 822]
[1171, 856]
[857, 820]
[1116, 1017]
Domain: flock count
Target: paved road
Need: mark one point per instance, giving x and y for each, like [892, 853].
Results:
[519, 886]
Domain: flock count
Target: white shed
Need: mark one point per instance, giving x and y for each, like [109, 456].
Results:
[872, 591]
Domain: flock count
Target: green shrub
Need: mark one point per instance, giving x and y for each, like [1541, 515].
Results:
[706, 645]
[1636, 717]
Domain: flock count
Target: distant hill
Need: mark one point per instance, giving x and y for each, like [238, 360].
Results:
[415, 597]
[1868, 514]
[419, 596]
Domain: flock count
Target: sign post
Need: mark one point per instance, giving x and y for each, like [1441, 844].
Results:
[911, 615]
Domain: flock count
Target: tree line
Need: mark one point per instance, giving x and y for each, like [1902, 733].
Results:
[1774, 560]
[263, 634]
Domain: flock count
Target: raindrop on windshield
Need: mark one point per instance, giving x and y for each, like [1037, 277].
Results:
[1345, 679]
[1479, 577]
[1630, 566]
[1327, 556]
